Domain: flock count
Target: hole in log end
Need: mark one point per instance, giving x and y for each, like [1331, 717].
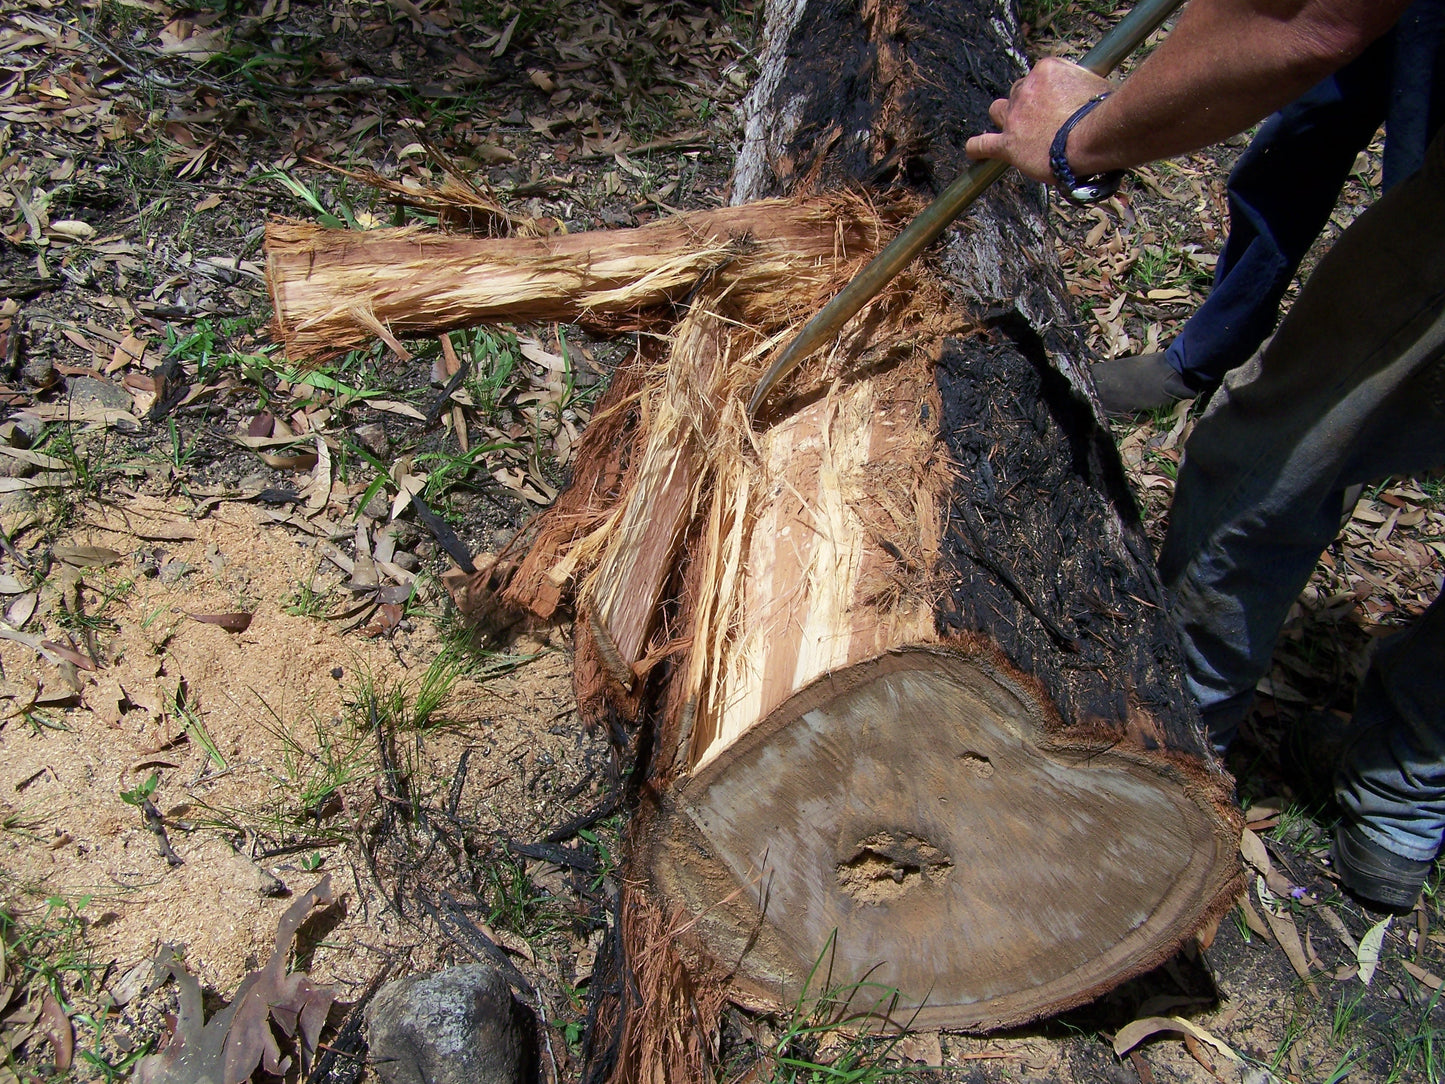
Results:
[886, 865]
[976, 764]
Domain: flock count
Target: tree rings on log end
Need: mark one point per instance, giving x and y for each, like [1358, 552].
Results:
[916, 811]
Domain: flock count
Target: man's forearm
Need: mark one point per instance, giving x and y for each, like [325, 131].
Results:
[1227, 64]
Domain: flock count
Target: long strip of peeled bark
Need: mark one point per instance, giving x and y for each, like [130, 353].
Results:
[336, 290]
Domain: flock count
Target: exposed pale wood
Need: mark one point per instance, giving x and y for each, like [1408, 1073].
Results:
[335, 290]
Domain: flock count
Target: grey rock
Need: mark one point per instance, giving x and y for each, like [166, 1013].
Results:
[379, 507]
[39, 373]
[16, 504]
[16, 468]
[458, 1026]
[21, 432]
[88, 389]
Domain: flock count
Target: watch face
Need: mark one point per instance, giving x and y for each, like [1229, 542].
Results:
[1094, 189]
[1081, 190]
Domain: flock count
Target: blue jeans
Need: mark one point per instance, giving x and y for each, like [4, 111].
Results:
[1350, 389]
[1284, 186]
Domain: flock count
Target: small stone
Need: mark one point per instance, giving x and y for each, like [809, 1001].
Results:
[11, 467]
[458, 1026]
[269, 885]
[406, 560]
[102, 393]
[148, 560]
[39, 373]
[373, 438]
[171, 572]
[379, 507]
[13, 434]
[16, 507]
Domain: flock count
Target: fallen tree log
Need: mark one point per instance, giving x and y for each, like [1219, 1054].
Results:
[897, 653]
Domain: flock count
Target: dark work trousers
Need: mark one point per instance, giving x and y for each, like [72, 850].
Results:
[1284, 186]
[1349, 390]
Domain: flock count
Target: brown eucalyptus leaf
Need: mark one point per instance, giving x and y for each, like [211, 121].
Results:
[59, 1031]
[1428, 978]
[236, 1041]
[86, 556]
[301, 461]
[1131, 1035]
[318, 489]
[69, 654]
[391, 406]
[22, 609]
[231, 622]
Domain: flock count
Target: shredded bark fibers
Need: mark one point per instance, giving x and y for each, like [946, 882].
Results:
[1029, 502]
[677, 453]
[673, 1003]
[458, 203]
[335, 290]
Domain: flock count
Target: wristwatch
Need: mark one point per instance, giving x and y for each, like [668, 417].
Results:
[1081, 190]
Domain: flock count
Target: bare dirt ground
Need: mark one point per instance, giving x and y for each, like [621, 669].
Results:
[228, 663]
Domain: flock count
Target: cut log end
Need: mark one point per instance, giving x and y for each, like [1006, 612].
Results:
[920, 818]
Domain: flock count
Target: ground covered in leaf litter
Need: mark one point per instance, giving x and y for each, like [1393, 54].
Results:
[228, 669]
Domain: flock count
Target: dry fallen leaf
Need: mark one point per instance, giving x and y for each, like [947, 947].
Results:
[232, 622]
[318, 489]
[299, 461]
[1368, 954]
[1428, 978]
[1131, 1035]
[390, 406]
[69, 654]
[237, 1040]
[59, 1031]
[86, 556]
[1286, 933]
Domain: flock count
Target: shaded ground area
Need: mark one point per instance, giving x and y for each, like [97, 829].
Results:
[225, 633]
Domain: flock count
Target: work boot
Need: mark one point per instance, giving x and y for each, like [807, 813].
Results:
[1309, 757]
[1378, 878]
[1145, 382]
